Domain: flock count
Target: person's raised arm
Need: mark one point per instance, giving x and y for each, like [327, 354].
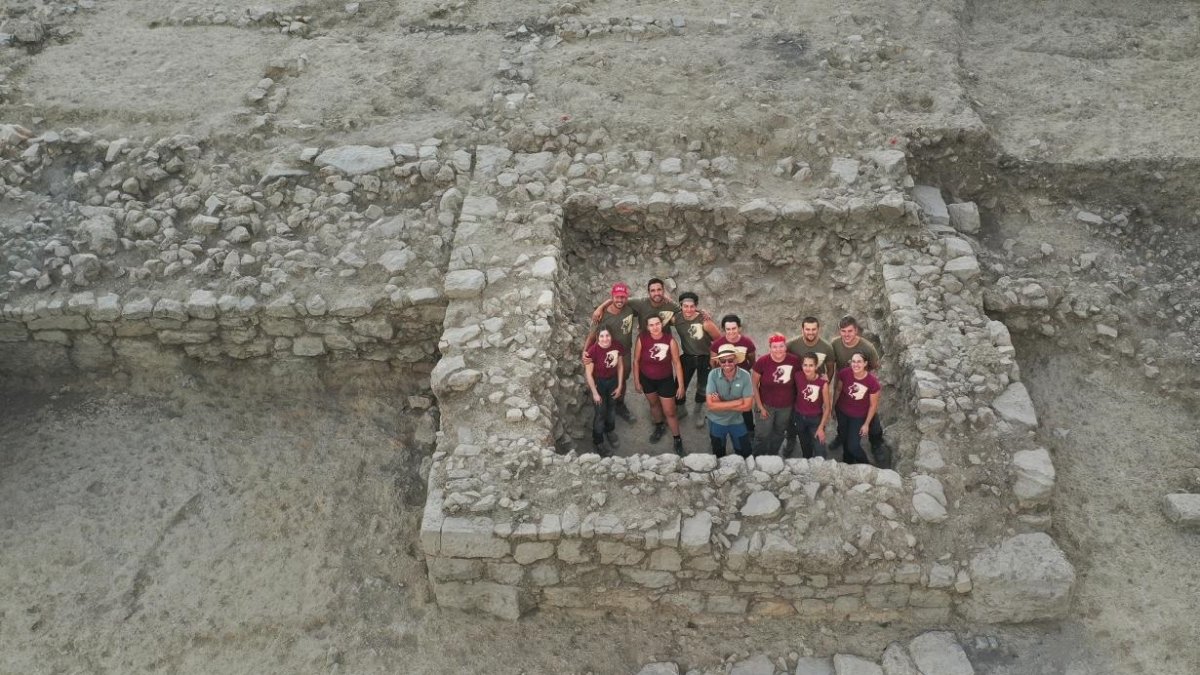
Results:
[711, 328]
[598, 313]
[588, 342]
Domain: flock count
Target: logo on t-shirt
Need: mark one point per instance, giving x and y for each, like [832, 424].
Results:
[857, 391]
[659, 351]
[696, 331]
[820, 359]
[610, 358]
[666, 315]
[783, 374]
[811, 393]
[627, 325]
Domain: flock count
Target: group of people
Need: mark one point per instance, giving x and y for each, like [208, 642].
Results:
[760, 405]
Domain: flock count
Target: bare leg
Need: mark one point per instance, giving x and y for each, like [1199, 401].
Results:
[668, 409]
[656, 407]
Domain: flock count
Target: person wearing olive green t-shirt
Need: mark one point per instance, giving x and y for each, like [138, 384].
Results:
[696, 331]
[656, 303]
[810, 342]
[849, 343]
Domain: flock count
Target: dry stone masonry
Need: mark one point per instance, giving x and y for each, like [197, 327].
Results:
[932, 653]
[477, 264]
[514, 523]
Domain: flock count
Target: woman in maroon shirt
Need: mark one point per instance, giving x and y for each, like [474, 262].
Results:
[857, 404]
[658, 373]
[812, 409]
[604, 369]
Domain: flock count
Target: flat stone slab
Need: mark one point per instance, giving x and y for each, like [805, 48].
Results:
[930, 200]
[812, 665]
[1033, 474]
[464, 284]
[938, 653]
[758, 665]
[847, 664]
[664, 668]
[1183, 510]
[761, 505]
[354, 160]
[1014, 405]
[1025, 578]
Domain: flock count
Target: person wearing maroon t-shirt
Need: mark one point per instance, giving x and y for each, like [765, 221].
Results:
[774, 380]
[812, 410]
[605, 372]
[732, 325]
[658, 373]
[857, 397]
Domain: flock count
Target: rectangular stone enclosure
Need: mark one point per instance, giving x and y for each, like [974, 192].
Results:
[514, 522]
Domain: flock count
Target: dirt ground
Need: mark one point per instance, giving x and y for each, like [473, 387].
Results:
[211, 531]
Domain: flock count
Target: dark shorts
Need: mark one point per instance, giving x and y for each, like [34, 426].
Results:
[665, 387]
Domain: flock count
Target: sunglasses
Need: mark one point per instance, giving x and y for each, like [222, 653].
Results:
[728, 359]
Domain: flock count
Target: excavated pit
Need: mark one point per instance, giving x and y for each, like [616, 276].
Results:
[770, 277]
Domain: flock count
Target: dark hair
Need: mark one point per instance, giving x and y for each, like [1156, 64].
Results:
[731, 317]
[656, 280]
[688, 295]
[810, 319]
[847, 321]
[811, 355]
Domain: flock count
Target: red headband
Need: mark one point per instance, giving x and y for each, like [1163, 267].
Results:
[775, 339]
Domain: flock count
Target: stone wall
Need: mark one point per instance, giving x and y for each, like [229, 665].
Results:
[97, 333]
[511, 523]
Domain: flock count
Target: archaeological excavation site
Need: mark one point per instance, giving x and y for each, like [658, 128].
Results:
[293, 299]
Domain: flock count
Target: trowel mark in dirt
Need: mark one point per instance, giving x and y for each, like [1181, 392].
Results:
[142, 579]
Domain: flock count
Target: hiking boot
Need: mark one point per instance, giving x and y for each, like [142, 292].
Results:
[660, 430]
[679, 446]
[681, 411]
[623, 413]
[612, 439]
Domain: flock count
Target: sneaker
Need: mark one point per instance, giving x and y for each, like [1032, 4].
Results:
[681, 411]
[623, 413]
[679, 446]
[660, 430]
[612, 439]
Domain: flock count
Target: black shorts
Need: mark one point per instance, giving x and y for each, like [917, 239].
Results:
[665, 387]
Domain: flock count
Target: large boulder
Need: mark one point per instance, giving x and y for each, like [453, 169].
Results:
[1025, 578]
